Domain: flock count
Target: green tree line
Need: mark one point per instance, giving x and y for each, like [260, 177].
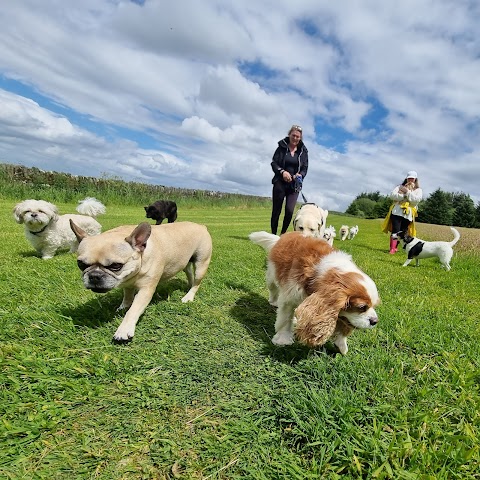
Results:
[440, 208]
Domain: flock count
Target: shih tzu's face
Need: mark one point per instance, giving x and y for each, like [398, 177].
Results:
[35, 214]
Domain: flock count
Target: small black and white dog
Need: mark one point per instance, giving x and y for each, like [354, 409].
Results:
[161, 210]
[417, 248]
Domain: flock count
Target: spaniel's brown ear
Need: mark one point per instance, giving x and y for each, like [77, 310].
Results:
[317, 316]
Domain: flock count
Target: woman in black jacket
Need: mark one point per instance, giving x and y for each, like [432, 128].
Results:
[290, 165]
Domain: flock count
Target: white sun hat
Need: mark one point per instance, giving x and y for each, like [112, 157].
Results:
[412, 174]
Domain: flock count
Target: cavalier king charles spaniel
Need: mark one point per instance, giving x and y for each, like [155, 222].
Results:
[320, 293]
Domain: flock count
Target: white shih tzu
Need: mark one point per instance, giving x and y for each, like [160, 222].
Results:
[344, 232]
[352, 232]
[330, 234]
[48, 231]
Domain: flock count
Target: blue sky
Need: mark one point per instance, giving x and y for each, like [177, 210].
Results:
[197, 96]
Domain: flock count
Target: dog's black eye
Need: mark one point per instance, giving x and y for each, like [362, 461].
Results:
[81, 265]
[115, 267]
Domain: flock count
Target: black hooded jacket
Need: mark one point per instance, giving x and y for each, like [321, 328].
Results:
[278, 160]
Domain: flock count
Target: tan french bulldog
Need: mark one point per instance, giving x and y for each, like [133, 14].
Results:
[138, 258]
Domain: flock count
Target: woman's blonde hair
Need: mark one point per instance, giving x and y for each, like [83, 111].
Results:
[297, 128]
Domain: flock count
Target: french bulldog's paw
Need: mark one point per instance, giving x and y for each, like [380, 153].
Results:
[123, 306]
[282, 339]
[123, 334]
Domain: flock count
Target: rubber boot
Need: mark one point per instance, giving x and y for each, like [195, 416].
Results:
[393, 246]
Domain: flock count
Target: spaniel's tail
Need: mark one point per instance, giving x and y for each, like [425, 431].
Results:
[264, 239]
[91, 206]
[456, 237]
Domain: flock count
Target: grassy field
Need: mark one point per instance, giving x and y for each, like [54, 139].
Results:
[201, 393]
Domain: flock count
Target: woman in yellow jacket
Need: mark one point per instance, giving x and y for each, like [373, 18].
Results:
[401, 216]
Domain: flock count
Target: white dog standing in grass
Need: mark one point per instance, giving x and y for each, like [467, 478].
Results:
[352, 232]
[417, 248]
[344, 232]
[330, 234]
[310, 220]
[47, 231]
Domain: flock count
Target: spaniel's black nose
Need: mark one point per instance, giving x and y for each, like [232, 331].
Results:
[373, 321]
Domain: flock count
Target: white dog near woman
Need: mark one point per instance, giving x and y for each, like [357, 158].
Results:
[310, 220]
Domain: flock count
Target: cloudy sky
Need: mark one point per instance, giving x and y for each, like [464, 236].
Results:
[196, 94]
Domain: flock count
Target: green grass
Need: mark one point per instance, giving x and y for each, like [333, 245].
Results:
[201, 393]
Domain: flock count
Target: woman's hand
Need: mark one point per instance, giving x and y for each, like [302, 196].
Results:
[286, 176]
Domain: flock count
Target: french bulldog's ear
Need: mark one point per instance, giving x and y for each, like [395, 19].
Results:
[138, 238]
[146, 208]
[79, 233]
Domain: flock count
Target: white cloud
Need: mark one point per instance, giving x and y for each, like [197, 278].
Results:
[24, 119]
[215, 85]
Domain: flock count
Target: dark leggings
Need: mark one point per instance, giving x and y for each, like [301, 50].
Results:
[399, 224]
[282, 191]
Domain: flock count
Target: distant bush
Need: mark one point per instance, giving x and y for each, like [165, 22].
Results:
[440, 208]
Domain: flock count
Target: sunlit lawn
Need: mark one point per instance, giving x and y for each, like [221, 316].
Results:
[202, 393]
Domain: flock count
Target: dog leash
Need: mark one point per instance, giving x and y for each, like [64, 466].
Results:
[303, 196]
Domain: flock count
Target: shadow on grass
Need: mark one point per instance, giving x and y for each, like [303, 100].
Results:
[238, 237]
[258, 317]
[34, 253]
[30, 253]
[103, 308]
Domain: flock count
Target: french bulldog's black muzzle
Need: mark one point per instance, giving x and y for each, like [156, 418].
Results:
[98, 281]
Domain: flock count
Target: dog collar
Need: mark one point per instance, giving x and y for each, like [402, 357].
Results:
[40, 231]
